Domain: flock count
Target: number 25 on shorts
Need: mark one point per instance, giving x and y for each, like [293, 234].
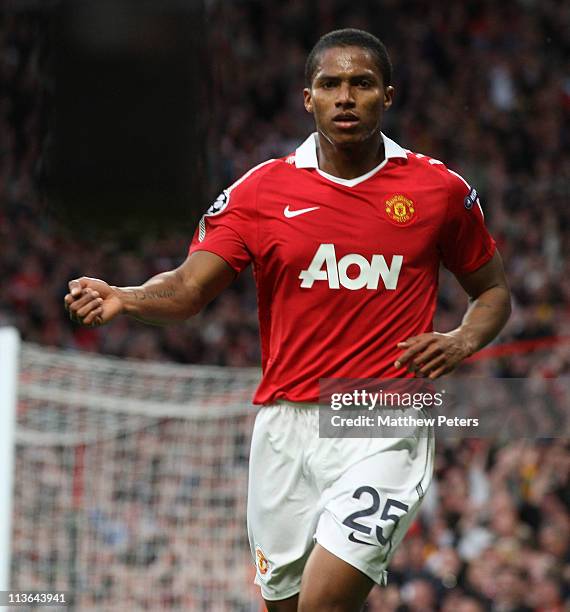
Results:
[351, 522]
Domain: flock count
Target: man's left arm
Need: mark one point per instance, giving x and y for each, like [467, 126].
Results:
[435, 354]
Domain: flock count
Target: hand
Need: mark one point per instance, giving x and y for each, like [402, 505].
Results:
[92, 302]
[433, 354]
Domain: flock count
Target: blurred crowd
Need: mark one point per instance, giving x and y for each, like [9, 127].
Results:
[481, 85]
[494, 534]
[485, 88]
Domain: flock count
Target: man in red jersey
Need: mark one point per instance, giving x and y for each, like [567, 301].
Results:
[346, 236]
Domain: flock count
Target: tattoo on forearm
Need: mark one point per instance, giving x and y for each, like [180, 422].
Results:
[150, 294]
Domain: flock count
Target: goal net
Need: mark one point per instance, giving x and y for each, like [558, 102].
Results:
[130, 483]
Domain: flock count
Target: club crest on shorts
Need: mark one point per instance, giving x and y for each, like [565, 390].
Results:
[400, 209]
[261, 561]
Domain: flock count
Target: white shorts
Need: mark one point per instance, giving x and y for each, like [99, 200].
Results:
[355, 497]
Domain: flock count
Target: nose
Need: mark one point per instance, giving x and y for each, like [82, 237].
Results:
[345, 96]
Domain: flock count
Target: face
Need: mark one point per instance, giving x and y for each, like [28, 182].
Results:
[347, 95]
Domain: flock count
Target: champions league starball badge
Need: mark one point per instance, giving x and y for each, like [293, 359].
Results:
[219, 204]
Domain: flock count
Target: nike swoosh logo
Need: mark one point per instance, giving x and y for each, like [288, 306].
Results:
[294, 213]
[357, 541]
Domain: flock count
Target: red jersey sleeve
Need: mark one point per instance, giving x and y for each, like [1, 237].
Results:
[464, 241]
[229, 228]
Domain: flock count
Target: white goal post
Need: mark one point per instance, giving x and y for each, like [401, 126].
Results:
[9, 350]
[130, 482]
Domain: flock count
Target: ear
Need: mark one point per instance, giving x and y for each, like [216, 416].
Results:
[388, 97]
[307, 99]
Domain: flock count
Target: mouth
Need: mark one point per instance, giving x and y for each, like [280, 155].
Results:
[346, 121]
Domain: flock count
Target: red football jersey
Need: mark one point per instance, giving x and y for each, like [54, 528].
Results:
[345, 269]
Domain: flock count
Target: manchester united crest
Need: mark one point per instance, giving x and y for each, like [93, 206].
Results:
[400, 209]
[262, 563]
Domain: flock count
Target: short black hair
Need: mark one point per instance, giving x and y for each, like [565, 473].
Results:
[350, 37]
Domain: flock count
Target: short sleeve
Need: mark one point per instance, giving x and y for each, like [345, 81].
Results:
[464, 241]
[229, 227]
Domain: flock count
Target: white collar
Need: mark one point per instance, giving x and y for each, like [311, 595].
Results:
[306, 154]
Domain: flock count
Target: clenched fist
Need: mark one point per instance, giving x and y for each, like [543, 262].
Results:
[92, 302]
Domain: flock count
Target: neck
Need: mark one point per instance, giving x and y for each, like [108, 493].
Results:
[349, 161]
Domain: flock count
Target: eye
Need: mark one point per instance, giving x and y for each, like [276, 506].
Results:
[364, 83]
[328, 84]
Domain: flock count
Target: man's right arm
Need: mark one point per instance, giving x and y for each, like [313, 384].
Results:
[168, 297]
